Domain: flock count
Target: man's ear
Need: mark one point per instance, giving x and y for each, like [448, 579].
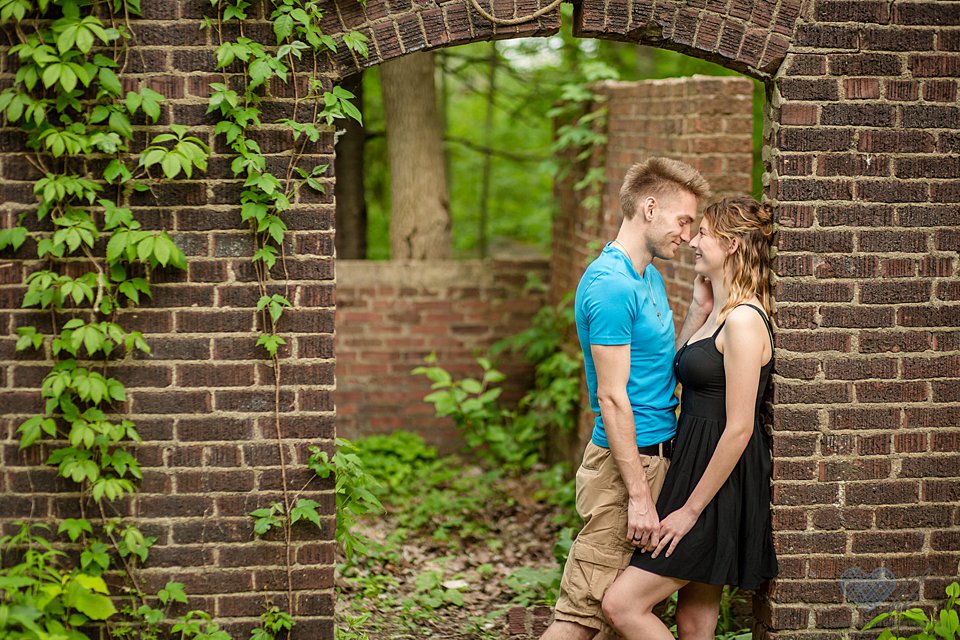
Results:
[649, 205]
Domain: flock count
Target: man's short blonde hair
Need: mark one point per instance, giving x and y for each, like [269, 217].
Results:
[659, 177]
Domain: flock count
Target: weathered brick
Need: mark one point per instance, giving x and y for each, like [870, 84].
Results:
[860, 368]
[927, 13]
[851, 11]
[803, 89]
[940, 91]
[887, 542]
[865, 64]
[826, 37]
[881, 39]
[895, 342]
[902, 90]
[890, 492]
[892, 391]
[805, 139]
[885, 293]
[929, 117]
[863, 418]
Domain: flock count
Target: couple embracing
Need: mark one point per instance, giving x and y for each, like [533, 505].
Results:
[672, 505]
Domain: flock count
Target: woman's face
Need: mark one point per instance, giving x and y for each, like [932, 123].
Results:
[709, 251]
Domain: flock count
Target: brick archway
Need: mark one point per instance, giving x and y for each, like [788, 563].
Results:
[750, 37]
[863, 169]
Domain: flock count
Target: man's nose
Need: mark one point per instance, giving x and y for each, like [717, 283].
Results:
[685, 234]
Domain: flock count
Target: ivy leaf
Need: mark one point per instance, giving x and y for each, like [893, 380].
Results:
[271, 343]
[307, 510]
[172, 592]
[33, 428]
[79, 594]
[283, 27]
[357, 42]
[28, 337]
[74, 527]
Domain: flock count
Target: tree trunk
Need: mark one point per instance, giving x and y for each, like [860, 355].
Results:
[487, 170]
[351, 235]
[419, 205]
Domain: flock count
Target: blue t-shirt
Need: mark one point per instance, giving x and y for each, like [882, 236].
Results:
[614, 307]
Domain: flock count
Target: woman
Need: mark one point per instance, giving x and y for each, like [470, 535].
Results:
[715, 503]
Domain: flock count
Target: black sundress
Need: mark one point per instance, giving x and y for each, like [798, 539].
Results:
[731, 542]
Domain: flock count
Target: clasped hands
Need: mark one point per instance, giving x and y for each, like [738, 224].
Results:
[646, 532]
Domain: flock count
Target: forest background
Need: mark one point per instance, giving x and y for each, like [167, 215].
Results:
[495, 104]
[457, 158]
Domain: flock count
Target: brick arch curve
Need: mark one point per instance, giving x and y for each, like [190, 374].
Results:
[751, 37]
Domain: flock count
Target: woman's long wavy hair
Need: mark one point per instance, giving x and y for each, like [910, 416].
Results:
[751, 223]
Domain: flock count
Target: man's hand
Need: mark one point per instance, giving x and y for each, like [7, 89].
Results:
[643, 525]
[673, 528]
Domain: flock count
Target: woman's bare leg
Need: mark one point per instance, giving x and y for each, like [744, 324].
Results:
[698, 606]
[628, 604]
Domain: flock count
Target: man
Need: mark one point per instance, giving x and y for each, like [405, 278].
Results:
[626, 331]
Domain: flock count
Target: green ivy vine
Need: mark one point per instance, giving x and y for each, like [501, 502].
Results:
[237, 102]
[68, 100]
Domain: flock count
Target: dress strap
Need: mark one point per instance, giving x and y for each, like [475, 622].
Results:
[766, 321]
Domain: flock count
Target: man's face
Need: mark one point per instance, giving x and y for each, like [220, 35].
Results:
[673, 215]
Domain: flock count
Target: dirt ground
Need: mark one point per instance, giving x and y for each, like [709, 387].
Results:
[418, 587]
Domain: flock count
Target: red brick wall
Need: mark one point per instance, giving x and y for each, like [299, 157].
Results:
[862, 132]
[392, 314]
[706, 122]
[867, 402]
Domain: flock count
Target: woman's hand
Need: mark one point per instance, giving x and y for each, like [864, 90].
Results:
[702, 294]
[673, 528]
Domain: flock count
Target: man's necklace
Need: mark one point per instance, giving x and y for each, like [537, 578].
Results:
[643, 277]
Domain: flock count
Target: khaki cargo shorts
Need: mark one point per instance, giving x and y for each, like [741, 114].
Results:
[600, 552]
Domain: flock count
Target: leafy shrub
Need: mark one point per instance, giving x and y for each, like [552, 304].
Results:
[943, 624]
[491, 432]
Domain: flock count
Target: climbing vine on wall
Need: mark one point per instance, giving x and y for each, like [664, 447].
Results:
[237, 103]
[79, 124]
[94, 261]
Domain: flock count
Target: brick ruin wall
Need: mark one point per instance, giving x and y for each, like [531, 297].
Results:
[390, 315]
[864, 174]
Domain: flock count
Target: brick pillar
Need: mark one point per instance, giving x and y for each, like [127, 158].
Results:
[867, 414]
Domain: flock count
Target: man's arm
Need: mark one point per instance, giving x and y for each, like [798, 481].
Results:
[700, 307]
[613, 372]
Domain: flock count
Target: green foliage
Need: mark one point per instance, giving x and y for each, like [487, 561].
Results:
[554, 401]
[398, 463]
[40, 597]
[505, 439]
[942, 624]
[186, 153]
[427, 492]
[534, 586]
[353, 489]
[489, 431]
[273, 621]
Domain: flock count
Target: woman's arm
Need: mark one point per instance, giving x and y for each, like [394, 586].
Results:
[744, 340]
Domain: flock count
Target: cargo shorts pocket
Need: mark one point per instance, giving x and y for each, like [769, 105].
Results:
[590, 573]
